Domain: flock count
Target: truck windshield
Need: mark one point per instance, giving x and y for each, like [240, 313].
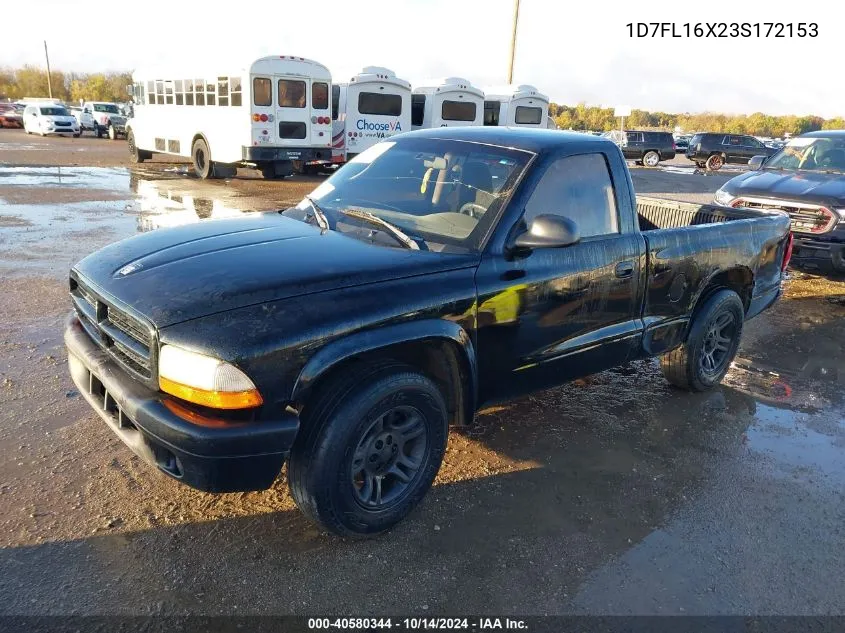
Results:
[435, 191]
[54, 111]
[811, 154]
[106, 107]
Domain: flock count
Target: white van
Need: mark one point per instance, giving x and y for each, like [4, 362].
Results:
[519, 106]
[374, 105]
[49, 118]
[271, 113]
[445, 103]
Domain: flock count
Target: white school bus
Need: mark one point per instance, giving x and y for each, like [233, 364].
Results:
[374, 105]
[273, 114]
[516, 106]
[445, 103]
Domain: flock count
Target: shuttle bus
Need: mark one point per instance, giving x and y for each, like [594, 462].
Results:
[516, 106]
[374, 105]
[273, 114]
[445, 103]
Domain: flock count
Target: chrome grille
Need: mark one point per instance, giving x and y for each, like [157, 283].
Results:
[804, 218]
[126, 338]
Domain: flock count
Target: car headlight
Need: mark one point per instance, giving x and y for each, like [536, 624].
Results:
[724, 198]
[205, 380]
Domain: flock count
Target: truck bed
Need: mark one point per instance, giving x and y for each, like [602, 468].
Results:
[657, 213]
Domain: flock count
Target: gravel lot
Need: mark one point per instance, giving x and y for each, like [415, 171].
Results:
[611, 495]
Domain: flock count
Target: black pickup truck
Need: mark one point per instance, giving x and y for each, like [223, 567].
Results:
[806, 180]
[434, 273]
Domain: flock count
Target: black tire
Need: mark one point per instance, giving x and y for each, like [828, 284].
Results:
[268, 171]
[112, 133]
[335, 461]
[687, 366]
[135, 155]
[201, 156]
[98, 130]
[651, 158]
[714, 162]
[77, 135]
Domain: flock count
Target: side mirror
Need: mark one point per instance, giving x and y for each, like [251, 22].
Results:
[756, 162]
[548, 231]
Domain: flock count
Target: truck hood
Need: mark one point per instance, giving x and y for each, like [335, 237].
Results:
[176, 274]
[800, 186]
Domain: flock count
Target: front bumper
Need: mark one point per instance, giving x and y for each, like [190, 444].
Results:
[209, 455]
[62, 130]
[813, 253]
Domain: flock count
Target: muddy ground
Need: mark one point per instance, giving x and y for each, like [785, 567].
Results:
[612, 495]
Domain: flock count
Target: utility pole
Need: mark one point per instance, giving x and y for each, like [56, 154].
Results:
[513, 40]
[49, 79]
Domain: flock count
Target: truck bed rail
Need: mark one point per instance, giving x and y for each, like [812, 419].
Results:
[656, 213]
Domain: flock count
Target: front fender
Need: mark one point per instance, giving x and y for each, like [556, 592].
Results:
[380, 338]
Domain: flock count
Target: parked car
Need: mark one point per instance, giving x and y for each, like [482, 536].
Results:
[713, 151]
[681, 143]
[806, 180]
[436, 272]
[10, 116]
[84, 118]
[647, 148]
[107, 119]
[49, 119]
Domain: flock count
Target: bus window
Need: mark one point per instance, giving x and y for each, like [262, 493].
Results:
[375, 103]
[209, 93]
[457, 111]
[417, 109]
[291, 94]
[168, 92]
[159, 92]
[199, 87]
[335, 101]
[491, 112]
[180, 95]
[291, 129]
[151, 92]
[528, 116]
[223, 91]
[235, 90]
[319, 95]
[189, 92]
[262, 95]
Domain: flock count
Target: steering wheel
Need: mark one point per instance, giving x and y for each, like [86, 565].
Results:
[473, 210]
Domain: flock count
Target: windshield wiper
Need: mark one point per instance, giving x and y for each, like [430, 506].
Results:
[389, 228]
[322, 220]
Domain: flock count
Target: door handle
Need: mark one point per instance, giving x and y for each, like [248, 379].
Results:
[624, 269]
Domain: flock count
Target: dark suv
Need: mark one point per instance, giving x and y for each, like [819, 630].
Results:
[648, 148]
[714, 150]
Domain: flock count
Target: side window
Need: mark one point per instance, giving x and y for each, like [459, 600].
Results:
[335, 101]
[632, 137]
[199, 87]
[189, 92]
[417, 109]
[262, 94]
[579, 188]
[235, 91]
[223, 91]
[491, 112]
[177, 86]
[750, 141]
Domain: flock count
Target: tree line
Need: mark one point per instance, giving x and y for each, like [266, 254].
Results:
[584, 117]
[31, 81]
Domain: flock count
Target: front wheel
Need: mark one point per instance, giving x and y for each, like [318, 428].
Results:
[369, 449]
[135, 155]
[98, 131]
[715, 162]
[651, 159]
[703, 360]
[112, 133]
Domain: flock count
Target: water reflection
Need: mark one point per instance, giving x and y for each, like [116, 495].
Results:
[168, 203]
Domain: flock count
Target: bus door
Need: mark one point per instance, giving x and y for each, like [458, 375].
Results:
[293, 111]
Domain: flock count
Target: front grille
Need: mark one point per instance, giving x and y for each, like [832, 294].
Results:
[62, 124]
[804, 218]
[126, 338]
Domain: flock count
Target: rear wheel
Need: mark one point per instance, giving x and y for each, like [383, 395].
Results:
[651, 159]
[369, 449]
[135, 155]
[203, 166]
[715, 162]
[703, 360]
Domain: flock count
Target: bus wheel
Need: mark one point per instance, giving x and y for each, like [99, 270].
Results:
[268, 170]
[135, 155]
[203, 166]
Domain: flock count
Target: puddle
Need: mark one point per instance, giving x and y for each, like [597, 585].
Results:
[677, 169]
[50, 217]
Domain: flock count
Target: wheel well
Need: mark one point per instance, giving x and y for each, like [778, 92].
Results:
[439, 359]
[740, 280]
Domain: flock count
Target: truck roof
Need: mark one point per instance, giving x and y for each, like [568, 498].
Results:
[533, 140]
[825, 134]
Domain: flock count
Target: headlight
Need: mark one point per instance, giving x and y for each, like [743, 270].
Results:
[205, 380]
[724, 198]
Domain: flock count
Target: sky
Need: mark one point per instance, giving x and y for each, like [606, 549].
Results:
[572, 50]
